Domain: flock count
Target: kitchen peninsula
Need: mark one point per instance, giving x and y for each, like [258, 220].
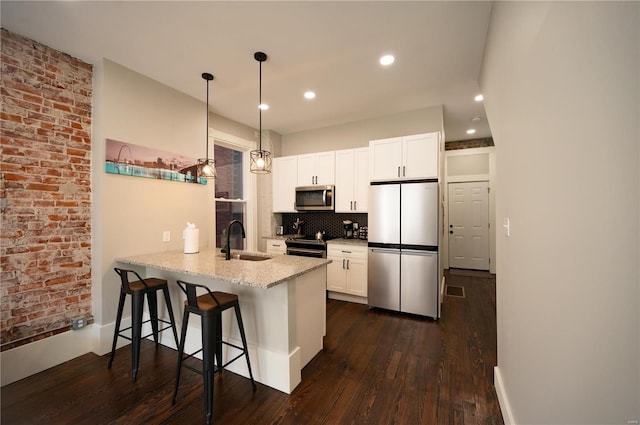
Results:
[282, 299]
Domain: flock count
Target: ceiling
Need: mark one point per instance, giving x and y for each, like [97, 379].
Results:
[330, 47]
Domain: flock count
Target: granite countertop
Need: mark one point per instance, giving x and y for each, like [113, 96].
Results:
[210, 263]
[342, 241]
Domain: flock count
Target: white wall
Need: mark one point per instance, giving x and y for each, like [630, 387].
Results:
[130, 213]
[561, 86]
[358, 133]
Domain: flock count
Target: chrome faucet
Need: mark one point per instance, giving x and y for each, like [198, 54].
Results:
[227, 249]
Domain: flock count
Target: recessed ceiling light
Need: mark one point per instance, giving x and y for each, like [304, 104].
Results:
[387, 60]
[263, 106]
[471, 131]
[475, 119]
[479, 98]
[309, 95]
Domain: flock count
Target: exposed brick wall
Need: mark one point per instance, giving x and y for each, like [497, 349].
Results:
[45, 119]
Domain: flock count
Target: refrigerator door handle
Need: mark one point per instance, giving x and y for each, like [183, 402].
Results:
[419, 252]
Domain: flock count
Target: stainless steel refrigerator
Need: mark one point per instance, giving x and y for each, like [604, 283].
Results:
[403, 247]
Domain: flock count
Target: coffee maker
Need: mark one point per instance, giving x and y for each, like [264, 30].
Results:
[348, 229]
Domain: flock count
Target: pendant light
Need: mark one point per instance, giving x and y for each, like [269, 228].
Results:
[260, 159]
[207, 167]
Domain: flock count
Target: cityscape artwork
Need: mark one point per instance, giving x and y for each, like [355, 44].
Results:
[128, 159]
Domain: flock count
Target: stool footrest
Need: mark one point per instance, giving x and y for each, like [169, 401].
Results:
[145, 336]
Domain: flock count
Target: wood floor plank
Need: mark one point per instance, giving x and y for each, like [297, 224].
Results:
[377, 367]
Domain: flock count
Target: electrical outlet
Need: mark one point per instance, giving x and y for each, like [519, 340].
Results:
[507, 227]
[166, 236]
[78, 323]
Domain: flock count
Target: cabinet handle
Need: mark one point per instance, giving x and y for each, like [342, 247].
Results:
[347, 264]
[404, 171]
[343, 263]
[351, 206]
[346, 252]
[398, 171]
[355, 205]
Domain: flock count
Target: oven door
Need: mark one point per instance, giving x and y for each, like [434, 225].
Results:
[307, 252]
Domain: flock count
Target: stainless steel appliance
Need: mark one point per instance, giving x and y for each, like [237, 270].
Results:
[403, 247]
[307, 246]
[314, 198]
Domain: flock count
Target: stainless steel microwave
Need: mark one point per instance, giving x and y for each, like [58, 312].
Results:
[314, 198]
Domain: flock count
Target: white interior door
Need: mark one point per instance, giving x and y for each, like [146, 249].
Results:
[469, 225]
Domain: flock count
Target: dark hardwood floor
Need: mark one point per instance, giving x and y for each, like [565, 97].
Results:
[377, 367]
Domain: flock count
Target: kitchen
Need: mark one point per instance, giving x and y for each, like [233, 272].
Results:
[125, 97]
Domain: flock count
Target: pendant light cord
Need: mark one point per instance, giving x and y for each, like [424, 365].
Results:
[260, 107]
[207, 142]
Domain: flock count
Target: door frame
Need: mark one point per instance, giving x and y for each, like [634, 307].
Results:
[463, 178]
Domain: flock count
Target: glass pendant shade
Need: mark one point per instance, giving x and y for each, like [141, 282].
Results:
[260, 162]
[207, 167]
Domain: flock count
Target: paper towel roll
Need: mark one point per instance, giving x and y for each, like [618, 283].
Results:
[191, 238]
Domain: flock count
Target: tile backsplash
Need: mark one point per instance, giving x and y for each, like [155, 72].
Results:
[329, 222]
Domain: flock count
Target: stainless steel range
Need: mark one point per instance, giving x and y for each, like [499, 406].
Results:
[306, 246]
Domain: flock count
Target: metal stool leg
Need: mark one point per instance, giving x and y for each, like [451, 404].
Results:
[137, 306]
[167, 300]
[209, 335]
[183, 338]
[117, 331]
[244, 343]
[152, 300]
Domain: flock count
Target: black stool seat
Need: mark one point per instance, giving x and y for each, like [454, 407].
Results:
[138, 289]
[209, 306]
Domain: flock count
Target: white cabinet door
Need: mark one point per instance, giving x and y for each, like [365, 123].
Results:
[345, 180]
[420, 156]
[285, 172]
[352, 180]
[325, 168]
[336, 275]
[316, 168]
[357, 277]
[361, 180]
[385, 159]
[405, 158]
[306, 170]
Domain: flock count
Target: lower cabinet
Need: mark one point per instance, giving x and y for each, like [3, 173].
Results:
[276, 247]
[348, 272]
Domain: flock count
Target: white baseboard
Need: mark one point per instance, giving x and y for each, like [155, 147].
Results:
[29, 359]
[507, 415]
[347, 297]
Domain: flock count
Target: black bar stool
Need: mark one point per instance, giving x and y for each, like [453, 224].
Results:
[138, 289]
[209, 307]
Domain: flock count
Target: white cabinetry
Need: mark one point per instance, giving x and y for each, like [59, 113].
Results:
[285, 172]
[404, 158]
[352, 180]
[276, 247]
[348, 272]
[316, 168]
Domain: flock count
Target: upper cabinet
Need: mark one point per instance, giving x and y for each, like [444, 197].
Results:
[352, 180]
[316, 168]
[285, 174]
[404, 158]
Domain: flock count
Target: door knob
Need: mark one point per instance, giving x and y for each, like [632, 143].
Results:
[451, 232]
